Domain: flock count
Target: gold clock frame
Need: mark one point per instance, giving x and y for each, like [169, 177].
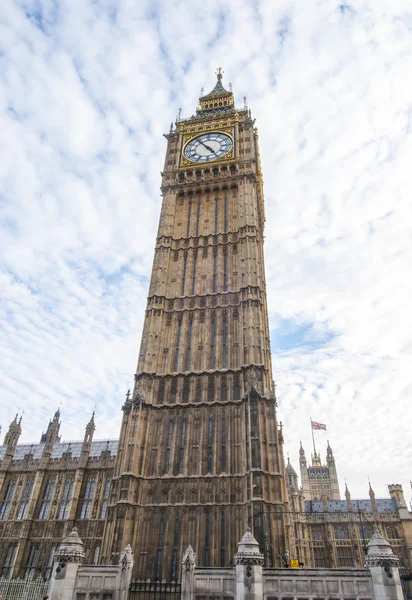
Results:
[187, 138]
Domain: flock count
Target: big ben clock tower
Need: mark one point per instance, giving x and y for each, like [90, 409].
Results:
[200, 452]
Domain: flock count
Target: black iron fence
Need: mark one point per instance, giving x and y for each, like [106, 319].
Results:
[154, 590]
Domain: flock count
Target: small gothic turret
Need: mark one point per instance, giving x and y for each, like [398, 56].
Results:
[348, 497]
[90, 429]
[302, 456]
[52, 433]
[88, 436]
[12, 436]
[292, 476]
[330, 459]
[373, 498]
[396, 492]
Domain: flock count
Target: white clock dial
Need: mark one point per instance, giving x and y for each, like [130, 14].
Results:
[207, 147]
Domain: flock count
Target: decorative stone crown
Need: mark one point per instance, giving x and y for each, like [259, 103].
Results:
[248, 551]
[71, 548]
[380, 553]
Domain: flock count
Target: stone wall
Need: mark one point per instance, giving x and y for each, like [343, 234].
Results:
[308, 584]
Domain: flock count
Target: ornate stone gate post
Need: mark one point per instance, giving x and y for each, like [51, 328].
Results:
[249, 561]
[384, 568]
[69, 555]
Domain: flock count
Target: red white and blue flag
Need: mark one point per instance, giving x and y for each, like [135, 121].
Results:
[316, 425]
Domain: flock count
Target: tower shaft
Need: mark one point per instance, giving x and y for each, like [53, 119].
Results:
[200, 453]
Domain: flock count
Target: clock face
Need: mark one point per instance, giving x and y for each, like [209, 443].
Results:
[207, 147]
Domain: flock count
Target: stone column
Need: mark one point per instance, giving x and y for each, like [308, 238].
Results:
[249, 561]
[188, 574]
[384, 568]
[69, 555]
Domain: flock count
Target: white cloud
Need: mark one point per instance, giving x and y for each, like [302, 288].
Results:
[86, 91]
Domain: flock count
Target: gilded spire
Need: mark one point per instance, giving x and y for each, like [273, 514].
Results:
[218, 101]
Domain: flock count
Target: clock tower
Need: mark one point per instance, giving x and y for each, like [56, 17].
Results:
[200, 452]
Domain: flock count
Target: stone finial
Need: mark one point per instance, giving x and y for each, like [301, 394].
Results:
[71, 548]
[126, 558]
[248, 551]
[189, 559]
[379, 553]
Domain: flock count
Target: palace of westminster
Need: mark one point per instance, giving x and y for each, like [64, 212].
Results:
[200, 450]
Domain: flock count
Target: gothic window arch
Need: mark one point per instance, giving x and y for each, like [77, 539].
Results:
[49, 568]
[88, 498]
[9, 561]
[8, 496]
[24, 503]
[66, 499]
[105, 497]
[32, 561]
[47, 498]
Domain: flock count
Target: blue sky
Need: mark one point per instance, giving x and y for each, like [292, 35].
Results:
[86, 91]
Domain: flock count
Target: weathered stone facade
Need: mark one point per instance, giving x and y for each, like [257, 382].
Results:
[200, 451]
[330, 532]
[45, 490]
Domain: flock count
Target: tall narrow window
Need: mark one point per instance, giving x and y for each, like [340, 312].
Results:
[222, 540]
[105, 497]
[49, 568]
[197, 219]
[207, 541]
[182, 444]
[216, 214]
[66, 499]
[224, 342]
[47, 498]
[209, 444]
[194, 273]
[225, 270]
[160, 548]
[96, 555]
[175, 549]
[169, 443]
[6, 504]
[184, 274]
[223, 456]
[88, 499]
[24, 504]
[212, 342]
[9, 561]
[32, 561]
[179, 330]
[189, 345]
[225, 216]
[188, 219]
[214, 269]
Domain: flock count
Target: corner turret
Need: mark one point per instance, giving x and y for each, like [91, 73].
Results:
[88, 437]
[12, 436]
[348, 498]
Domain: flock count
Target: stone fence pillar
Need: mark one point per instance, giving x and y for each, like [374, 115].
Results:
[384, 568]
[125, 575]
[249, 561]
[188, 574]
[69, 555]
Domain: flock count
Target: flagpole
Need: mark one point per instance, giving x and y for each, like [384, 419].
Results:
[313, 437]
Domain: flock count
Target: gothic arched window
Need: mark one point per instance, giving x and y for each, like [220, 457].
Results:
[6, 504]
[88, 498]
[47, 498]
[24, 504]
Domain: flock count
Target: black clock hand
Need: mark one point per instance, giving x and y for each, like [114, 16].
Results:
[209, 148]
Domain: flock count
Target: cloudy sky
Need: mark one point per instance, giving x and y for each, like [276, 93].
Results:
[87, 88]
